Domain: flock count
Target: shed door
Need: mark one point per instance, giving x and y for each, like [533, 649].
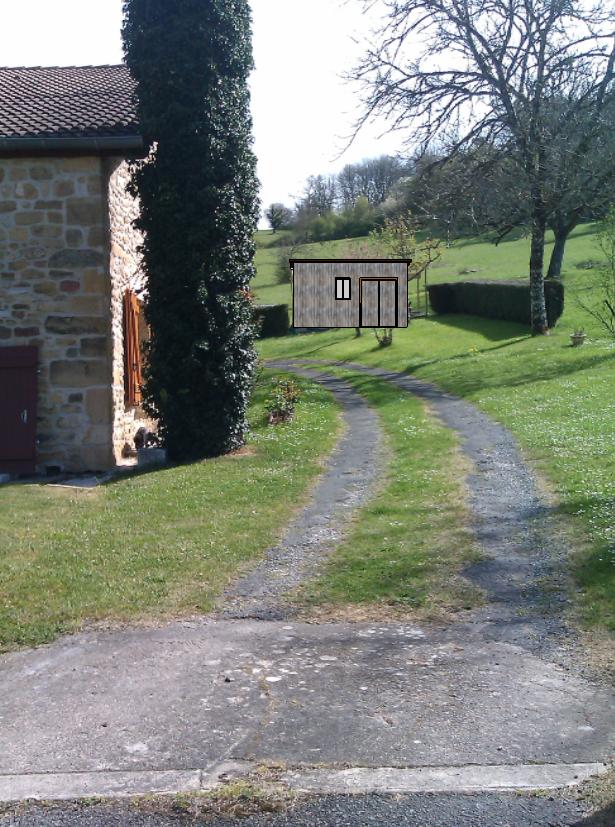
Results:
[18, 397]
[388, 303]
[378, 306]
[369, 303]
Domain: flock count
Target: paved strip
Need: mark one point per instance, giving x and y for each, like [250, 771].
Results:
[412, 810]
[356, 781]
[58, 786]
[391, 780]
[346, 484]
[194, 693]
[69, 786]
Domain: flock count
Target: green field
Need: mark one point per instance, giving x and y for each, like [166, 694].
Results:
[466, 259]
[159, 544]
[556, 399]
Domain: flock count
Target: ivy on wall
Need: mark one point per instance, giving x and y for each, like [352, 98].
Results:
[199, 208]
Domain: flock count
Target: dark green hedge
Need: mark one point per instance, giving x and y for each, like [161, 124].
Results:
[271, 320]
[191, 61]
[507, 300]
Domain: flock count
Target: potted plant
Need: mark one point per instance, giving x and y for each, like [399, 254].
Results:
[578, 337]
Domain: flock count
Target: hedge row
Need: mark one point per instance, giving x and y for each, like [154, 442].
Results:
[271, 320]
[508, 300]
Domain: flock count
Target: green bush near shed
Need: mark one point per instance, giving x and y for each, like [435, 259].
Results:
[271, 320]
[506, 300]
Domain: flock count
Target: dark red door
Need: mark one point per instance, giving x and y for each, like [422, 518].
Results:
[18, 397]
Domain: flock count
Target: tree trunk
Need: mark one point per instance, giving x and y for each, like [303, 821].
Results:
[538, 308]
[557, 255]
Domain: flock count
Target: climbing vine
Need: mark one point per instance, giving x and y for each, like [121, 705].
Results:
[199, 207]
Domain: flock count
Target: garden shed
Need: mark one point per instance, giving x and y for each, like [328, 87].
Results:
[71, 283]
[350, 292]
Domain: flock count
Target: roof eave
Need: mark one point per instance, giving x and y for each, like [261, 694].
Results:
[293, 261]
[106, 145]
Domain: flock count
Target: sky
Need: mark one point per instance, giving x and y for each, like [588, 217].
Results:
[303, 111]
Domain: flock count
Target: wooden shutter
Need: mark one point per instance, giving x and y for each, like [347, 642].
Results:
[132, 349]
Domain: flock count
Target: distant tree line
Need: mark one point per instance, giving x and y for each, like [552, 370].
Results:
[345, 205]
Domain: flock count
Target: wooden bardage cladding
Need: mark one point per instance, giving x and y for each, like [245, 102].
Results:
[314, 302]
[132, 350]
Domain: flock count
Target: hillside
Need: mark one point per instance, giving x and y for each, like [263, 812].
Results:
[472, 258]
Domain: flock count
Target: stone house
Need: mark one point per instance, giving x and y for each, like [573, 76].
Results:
[71, 284]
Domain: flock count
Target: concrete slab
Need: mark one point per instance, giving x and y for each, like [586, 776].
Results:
[390, 780]
[192, 694]
[78, 482]
[70, 786]
[76, 785]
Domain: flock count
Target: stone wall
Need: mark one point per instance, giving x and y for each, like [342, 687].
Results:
[126, 274]
[55, 294]
[68, 252]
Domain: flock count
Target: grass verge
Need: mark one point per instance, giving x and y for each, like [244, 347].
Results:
[234, 800]
[406, 547]
[159, 544]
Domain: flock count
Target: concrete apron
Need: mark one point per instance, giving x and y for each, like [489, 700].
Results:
[337, 707]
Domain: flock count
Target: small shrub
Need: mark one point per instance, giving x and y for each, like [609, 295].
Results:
[280, 404]
[282, 272]
[271, 320]
[384, 337]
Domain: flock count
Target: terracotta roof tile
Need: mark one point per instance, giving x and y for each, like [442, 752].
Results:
[67, 102]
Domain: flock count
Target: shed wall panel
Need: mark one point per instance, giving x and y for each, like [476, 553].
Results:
[314, 302]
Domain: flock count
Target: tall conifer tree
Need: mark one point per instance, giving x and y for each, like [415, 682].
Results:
[199, 207]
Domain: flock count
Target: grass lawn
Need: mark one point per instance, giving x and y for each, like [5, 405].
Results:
[156, 544]
[267, 253]
[556, 399]
[406, 546]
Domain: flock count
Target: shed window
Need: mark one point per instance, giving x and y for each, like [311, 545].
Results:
[342, 288]
[132, 349]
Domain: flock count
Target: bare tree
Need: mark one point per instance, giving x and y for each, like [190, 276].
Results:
[371, 178]
[602, 304]
[488, 69]
[581, 170]
[319, 196]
